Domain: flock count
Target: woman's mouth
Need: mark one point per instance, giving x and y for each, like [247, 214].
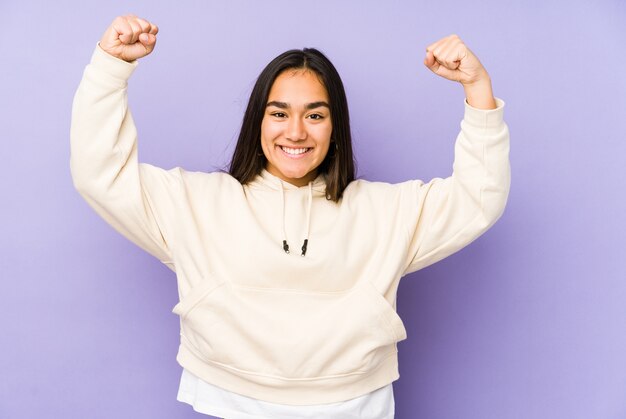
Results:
[295, 152]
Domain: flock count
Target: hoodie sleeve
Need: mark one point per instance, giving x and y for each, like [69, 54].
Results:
[103, 159]
[447, 214]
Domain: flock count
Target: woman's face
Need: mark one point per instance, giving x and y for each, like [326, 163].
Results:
[296, 127]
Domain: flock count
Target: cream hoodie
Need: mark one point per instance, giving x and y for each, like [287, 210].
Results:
[255, 320]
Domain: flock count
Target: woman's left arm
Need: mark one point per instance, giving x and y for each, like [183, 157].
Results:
[447, 214]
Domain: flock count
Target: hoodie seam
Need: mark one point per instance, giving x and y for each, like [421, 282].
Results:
[198, 354]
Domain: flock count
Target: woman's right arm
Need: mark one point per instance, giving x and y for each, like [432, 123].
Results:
[134, 198]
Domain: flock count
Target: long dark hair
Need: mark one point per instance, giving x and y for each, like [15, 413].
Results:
[338, 166]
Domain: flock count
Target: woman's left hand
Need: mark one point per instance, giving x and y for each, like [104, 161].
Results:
[451, 59]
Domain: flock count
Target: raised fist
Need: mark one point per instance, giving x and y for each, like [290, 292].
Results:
[451, 59]
[129, 38]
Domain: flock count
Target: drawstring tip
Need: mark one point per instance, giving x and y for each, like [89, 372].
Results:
[304, 246]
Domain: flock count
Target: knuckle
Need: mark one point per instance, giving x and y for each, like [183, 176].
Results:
[143, 23]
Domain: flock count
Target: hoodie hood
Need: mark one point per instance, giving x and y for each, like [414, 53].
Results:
[266, 180]
[316, 188]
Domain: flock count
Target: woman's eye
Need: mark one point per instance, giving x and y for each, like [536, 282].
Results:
[279, 114]
[316, 116]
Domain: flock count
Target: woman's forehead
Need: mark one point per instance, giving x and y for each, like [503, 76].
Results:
[300, 85]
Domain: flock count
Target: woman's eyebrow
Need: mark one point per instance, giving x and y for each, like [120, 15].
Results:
[314, 105]
[308, 106]
[281, 105]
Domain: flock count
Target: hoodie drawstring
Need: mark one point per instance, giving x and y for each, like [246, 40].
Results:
[282, 209]
[308, 219]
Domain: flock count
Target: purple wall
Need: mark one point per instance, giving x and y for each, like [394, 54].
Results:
[527, 322]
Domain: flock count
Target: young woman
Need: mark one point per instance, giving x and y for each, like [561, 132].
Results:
[287, 266]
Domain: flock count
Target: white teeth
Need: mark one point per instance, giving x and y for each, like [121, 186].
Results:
[294, 151]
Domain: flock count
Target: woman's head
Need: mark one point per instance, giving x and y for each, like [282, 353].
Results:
[297, 124]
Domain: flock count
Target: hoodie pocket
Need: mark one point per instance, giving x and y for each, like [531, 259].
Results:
[290, 333]
[194, 297]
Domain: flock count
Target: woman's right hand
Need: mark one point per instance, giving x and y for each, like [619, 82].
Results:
[129, 38]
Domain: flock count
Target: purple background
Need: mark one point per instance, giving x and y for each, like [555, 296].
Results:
[527, 322]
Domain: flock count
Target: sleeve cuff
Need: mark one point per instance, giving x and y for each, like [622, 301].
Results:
[485, 118]
[117, 68]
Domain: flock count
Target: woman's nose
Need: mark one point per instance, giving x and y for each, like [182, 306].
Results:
[296, 130]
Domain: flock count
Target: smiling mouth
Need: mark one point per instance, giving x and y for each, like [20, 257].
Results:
[295, 151]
